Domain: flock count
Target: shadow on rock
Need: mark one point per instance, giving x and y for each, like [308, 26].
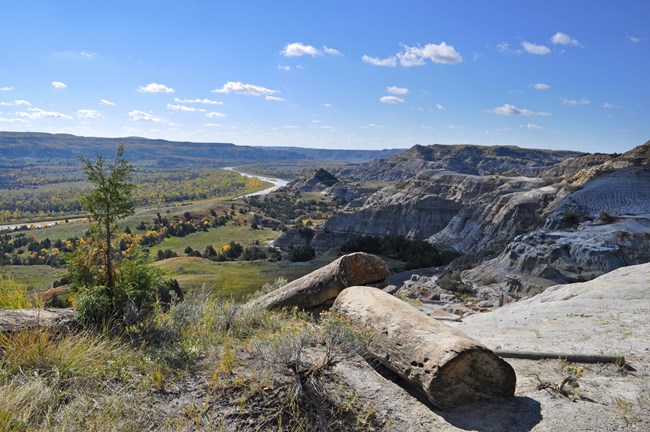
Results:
[517, 414]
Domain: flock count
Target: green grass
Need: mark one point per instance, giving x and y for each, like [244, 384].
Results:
[216, 237]
[37, 278]
[234, 279]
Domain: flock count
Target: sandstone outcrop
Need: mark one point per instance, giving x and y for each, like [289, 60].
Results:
[324, 284]
[56, 320]
[449, 367]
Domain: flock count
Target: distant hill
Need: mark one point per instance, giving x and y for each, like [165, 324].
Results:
[466, 159]
[20, 148]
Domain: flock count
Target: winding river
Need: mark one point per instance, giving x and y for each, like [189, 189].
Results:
[277, 184]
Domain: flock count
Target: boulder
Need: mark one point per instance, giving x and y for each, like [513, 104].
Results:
[23, 319]
[326, 283]
[449, 367]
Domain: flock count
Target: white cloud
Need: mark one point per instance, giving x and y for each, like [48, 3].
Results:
[376, 61]
[535, 49]
[328, 105]
[37, 113]
[416, 56]
[184, 108]
[286, 68]
[391, 100]
[297, 49]
[87, 54]
[397, 90]
[155, 88]
[574, 102]
[511, 110]
[540, 86]
[138, 115]
[373, 125]
[503, 47]
[531, 126]
[212, 125]
[331, 51]
[6, 88]
[106, 102]
[275, 99]
[214, 115]
[440, 107]
[18, 102]
[12, 120]
[610, 105]
[560, 38]
[58, 85]
[88, 114]
[198, 101]
[636, 39]
[245, 89]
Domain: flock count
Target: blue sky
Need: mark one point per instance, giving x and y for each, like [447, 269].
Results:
[331, 74]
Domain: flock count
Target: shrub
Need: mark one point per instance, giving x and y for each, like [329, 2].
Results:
[15, 296]
[606, 218]
[454, 283]
[302, 253]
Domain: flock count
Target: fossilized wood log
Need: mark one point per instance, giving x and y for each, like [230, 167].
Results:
[577, 358]
[327, 282]
[381, 402]
[22, 319]
[449, 367]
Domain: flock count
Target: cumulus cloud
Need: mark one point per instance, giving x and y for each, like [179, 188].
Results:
[574, 102]
[215, 114]
[610, 105]
[184, 108]
[440, 107]
[138, 115]
[155, 88]
[416, 56]
[328, 105]
[18, 102]
[245, 89]
[391, 100]
[37, 113]
[198, 101]
[106, 102]
[540, 86]
[331, 51]
[511, 110]
[376, 61]
[532, 126]
[88, 114]
[6, 88]
[397, 90]
[286, 68]
[535, 49]
[58, 85]
[275, 99]
[560, 38]
[298, 49]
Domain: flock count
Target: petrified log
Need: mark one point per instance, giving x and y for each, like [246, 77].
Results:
[571, 357]
[449, 367]
[22, 319]
[327, 282]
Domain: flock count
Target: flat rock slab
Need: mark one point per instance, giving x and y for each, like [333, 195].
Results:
[326, 283]
[449, 367]
[22, 319]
